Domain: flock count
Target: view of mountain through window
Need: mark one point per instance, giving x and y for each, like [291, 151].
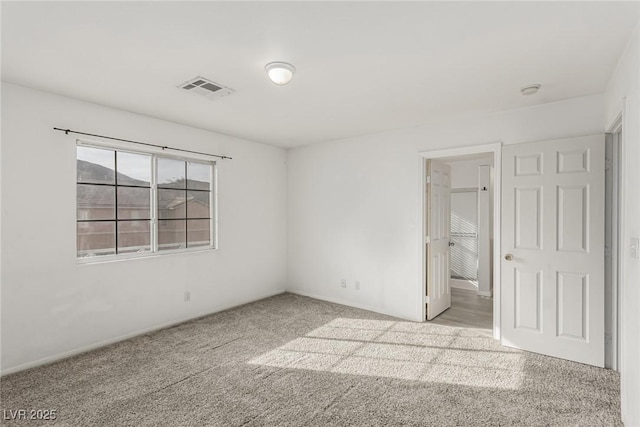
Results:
[123, 207]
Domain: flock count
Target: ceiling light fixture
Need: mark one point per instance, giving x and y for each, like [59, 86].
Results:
[530, 89]
[280, 73]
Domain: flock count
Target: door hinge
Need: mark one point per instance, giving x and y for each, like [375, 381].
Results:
[427, 239]
[427, 299]
[428, 180]
[608, 164]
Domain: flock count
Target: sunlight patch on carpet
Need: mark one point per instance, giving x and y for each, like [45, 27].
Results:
[403, 350]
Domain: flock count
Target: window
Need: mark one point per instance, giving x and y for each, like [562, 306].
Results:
[141, 203]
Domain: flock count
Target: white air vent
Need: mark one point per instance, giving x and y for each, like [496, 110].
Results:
[206, 88]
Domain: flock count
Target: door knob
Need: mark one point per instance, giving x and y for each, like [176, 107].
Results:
[508, 257]
[452, 244]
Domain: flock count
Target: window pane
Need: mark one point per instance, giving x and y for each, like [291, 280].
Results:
[134, 203]
[134, 169]
[198, 232]
[171, 173]
[134, 236]
[96, 238]
[171, 204]
[95, 202]
[198, 204]
[198, 176]
[172, 234]
[95, 165]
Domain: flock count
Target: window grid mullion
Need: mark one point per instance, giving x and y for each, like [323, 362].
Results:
[186, 206]
[154, 204]
[103, 184]
[164, 219]
[120, 220]
[115, 180]
[213, 223]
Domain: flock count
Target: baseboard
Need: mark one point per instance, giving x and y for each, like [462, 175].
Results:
[350, 304]
[104, 343]
[487, 294]
[462, 284]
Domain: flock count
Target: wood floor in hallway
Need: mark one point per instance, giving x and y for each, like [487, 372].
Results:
[468, 310]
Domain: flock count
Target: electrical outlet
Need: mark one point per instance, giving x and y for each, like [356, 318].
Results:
[357, 286]
[187, 296]
[343, 283]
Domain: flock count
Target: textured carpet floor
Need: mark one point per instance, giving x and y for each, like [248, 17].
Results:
[295, 361]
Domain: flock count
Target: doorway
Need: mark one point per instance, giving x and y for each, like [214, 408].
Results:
[469, 241]
[473, 235]
[570, 159]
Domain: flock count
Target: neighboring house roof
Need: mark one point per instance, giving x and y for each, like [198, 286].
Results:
[179, 201]
[96, 196]
[91, 172]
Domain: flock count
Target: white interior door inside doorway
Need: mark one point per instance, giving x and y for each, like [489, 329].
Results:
[438, 237]
[553, 248]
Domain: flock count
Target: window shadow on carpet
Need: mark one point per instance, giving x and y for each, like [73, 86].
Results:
[403, 350]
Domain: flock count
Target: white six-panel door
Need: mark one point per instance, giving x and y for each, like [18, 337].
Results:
[439, 236]
[553, 248]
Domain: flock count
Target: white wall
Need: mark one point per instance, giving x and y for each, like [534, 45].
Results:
[623, 95]
[51, 305]
[355, 205]
[464, 173]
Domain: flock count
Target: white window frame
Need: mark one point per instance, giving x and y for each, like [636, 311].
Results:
[155, 154]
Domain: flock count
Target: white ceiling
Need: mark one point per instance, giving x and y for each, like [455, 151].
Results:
[363, 67]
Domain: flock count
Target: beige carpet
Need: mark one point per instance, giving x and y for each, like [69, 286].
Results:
[296, 361]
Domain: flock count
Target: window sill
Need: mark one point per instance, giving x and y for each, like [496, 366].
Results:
[145, 255]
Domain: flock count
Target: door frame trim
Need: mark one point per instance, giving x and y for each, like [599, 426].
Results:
[618, 247]
[496, 149]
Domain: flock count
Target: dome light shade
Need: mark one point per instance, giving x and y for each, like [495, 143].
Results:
[280, 73]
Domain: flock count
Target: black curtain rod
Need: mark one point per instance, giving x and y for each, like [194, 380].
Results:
[164, 147]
